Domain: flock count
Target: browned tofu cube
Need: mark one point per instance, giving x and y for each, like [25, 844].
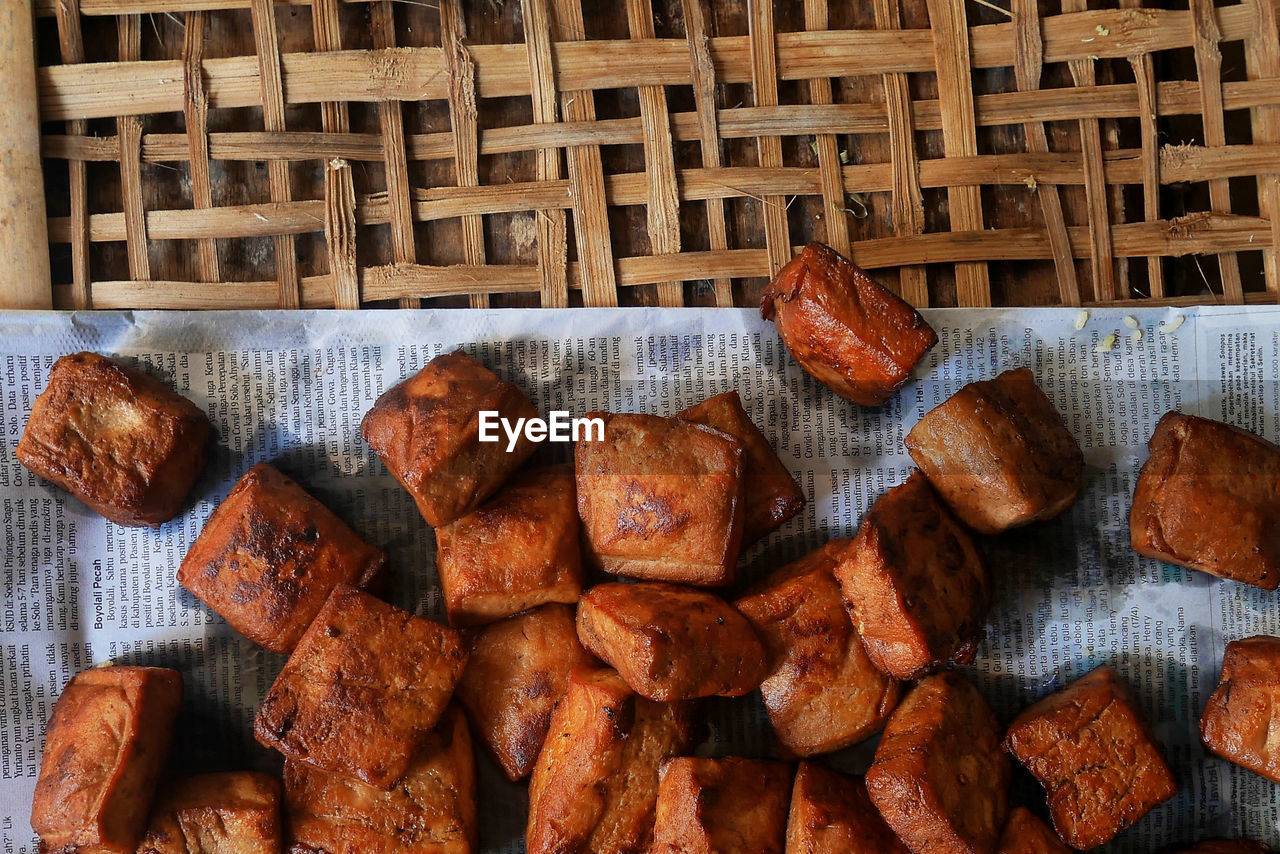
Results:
[707, 806]
[106, 742]
[426, 429]
[1227, 846]
[1026, 834]
[999, 454]
[1242, 720]
[1091, 749]
[516, 674]
[234, 812]
[431, 811]
[1208, 499]
[595, 785]
[822, 692]
[519, 550]
[661, 499]
[832, 814]
[914, 582]
[269, 557]
[939, 777]
[849, 332]
[671, 642]
[362, 689]
[771, 495]
[118, 439]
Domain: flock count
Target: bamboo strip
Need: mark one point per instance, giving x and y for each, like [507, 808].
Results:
[71, 50]
[1262, 60]
[551, 228]
[1148, 109]
[196, 116]
[464, 120]
[129, 129]
[825, 145]
[764, 82]
[340, 233]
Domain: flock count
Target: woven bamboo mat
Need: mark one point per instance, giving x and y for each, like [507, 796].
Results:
[258, 154]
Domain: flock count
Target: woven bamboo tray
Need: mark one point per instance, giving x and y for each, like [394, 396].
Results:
[319, 153]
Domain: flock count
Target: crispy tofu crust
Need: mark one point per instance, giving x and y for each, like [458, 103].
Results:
[670, 642]
[939, 777]
[849, 332]
[914, 583]
[771, 495]
[118, 439]
[1242, 719]
[595, 784]
[1226, 846]
[270, 555]
[1091, 749]
[105, 744]
[517, 672]
[431, 811]
[1208, 498]
[832, 814]
[518, 550]
[661, 499]
[1026, 834]
[234, 812]
[999, 454]
[426, 429]
[822, 692]
[708, 806]
[362, 689]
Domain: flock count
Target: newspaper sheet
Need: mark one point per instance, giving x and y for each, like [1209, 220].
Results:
[292, 387]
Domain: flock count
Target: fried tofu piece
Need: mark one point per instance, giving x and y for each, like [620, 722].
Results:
[939, 777]
[1026, 834]
[431, 811]
[269, 557]
[1242, 719]
[822, 692]
[1091, 749]
[595, 784]
[121, 441]
[426, 429]
[999, 453]
[770, 493]
[708, 806]
[362, 689]
[662, 499]
[832, 814]
[914, 583]
[517, 672]
[671, 642]
[518, 550]
[105, 744]
[1227, 846]
[1208, 498]
[849, 332]
[234, 812]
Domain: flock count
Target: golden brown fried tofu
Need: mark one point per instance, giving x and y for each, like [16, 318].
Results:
[426, 429]
[118, 439]
[771, 495]
[269, 557]
[939, 777]
[106, 742]
[822, 692]
[849, 332]
[914, 582]
[1091, 749]
[671, 642]
[832, 814]
[431, 811]
[517, 672]
[1242, 720]
[709, 806]
[233, 812]
[1208, 498]
[661, 499]
[1227, 846]
[595, 785]
[364, 686]
[1026, 834]
[999, 454]
[518, 550]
